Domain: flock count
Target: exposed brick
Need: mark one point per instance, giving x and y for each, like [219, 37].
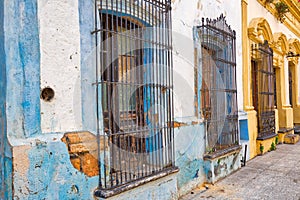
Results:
[87, 139]
[72, 138]
[78, 148]
[76, 163]
[83, 150]
[89, 165]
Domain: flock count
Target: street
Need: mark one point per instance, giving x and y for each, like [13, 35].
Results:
[275, 175]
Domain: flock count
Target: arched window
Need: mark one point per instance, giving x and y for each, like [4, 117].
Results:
[264, 89]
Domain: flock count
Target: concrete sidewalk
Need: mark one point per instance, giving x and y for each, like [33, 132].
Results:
[275, 175]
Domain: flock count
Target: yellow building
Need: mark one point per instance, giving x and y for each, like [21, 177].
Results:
[271, 48]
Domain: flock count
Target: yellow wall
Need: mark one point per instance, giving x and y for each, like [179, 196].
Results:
[266, 144]
[296, 115]
[294, 46]
[257, 31]
[286, 118]
[252, 130]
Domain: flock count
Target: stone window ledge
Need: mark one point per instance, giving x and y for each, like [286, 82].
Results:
[106, 193]
[222, 153]
[285, 130]
[267, 137]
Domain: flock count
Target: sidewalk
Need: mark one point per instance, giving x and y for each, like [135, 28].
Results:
[275, 175]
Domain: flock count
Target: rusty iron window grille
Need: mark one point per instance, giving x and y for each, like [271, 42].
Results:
[134, 90]
[264, 89]
[218, 90]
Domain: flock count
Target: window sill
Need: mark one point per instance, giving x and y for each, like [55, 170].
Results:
[285, 130]
[267, 136]
[222, 153]
[106, 193]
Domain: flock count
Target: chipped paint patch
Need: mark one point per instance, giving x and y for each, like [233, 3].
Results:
[20, 159]
[221, 166]
[189, 150]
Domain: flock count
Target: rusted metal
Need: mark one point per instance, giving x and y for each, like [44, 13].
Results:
[264, 89]
[218, 91]
[134, 82]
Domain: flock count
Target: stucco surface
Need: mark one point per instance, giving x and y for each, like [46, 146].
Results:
[44, 171]
[60, 64]
[48, 43]
[189, 150]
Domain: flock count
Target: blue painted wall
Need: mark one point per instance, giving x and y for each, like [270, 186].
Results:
[2, 101]
[20, 80]
[5, 150]
[88, 65]
[189, 150]
[23, 68]
[50, 175]
[244, 135]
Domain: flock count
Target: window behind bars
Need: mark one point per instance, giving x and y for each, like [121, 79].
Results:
[264, 89]
[134, 84]
[218, 90]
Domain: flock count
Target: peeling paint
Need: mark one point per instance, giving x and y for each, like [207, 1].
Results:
[190, 146]
[21, 160]
[50, 175]
[220, 167]
[45, 167]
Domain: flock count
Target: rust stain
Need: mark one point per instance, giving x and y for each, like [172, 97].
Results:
[176, 124]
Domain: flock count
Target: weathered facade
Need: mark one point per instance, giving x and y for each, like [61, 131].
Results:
[140, 99]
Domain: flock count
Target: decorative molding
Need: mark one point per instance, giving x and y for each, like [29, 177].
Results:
[292, 18]
[258, 28]
[281, 43]
[294, 45]
[294, 48]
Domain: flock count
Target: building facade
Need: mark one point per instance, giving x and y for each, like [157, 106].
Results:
[270, 38]
[140, 99]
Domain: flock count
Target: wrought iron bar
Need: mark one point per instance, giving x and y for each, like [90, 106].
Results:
[264, 89]
[136, 89]
[219, 92]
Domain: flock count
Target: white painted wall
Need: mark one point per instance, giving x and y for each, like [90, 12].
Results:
[255, 10]
[187, 14]
[183, 54]
[60, 57]
[60, 64]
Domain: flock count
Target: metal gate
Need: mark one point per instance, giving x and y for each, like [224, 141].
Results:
[264, 98]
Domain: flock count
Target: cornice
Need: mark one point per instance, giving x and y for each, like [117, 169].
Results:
[292, 18]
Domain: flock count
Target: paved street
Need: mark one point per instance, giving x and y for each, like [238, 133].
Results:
[276, 175]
